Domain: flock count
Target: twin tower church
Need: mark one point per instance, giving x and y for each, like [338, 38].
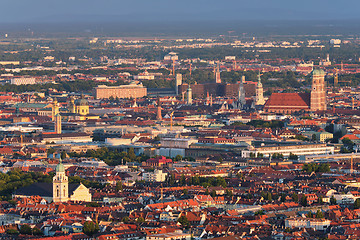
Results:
[288, 103]
[58, 191]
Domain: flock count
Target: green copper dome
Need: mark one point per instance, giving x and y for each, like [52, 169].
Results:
[81, 102]
[60, 168]
[318, 72]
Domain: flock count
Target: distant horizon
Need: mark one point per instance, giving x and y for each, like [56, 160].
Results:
[199, 28]
[37, 11]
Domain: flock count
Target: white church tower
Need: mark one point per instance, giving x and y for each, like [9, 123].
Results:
[60, 184]
[259, 99]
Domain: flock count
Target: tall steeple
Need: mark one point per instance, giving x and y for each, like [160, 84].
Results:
[158, 114]
[259, 99]
[60, 184]
[217, 74]
[54, 109]
[58, 123]
[189, 95]
[178, 82]
[318, 94]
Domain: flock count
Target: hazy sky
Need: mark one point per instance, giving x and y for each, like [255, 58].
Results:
[190, 10]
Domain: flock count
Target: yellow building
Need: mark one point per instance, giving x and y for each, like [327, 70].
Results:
[80, 109]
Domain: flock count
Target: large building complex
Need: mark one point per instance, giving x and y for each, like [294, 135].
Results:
[132, 90]
[294, 102]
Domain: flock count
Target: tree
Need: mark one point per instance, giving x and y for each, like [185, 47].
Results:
[178, 158]
[319, 214]
[125, 219]
[229, 193]
[184, 221]
[303, 201]
[63, 155]
[131, 154]
[12, 231]
[293, 156]
[295, 197]
[36, 231]
[213, 193]
[90, 228]
[357, 203]
[207, 192]
[119, 186]
[182, 180]
[185, 191]
[25, 229]
[140, 220]
[283, 197]
[332, 200]
[313, 138]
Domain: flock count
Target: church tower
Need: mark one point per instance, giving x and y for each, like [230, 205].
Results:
[158, 113]
[60, 185]
[178, 82]
[318, 95]
[58, 123]
[217, 74]
[72, 107]
[241, 93]
[54, 109]
[259, 99]
[189, 95]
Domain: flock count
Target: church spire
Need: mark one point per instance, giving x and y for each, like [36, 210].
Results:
[259, 99]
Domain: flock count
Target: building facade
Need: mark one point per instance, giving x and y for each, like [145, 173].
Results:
[132, 90]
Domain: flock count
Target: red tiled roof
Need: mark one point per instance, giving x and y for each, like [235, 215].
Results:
[289, 100]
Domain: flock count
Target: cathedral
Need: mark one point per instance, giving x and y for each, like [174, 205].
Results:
[288, 103]
[58, 191]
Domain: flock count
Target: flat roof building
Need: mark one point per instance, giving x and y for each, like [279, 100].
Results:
[132, 90]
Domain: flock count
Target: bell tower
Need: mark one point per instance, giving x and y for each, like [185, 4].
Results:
[318, 95]
[60, 184]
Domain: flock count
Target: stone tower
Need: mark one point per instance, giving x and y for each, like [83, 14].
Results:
[72, 107]
[178, 82]
[54, 109]
[217, 74]
[158, 112]
[189, 95]
[60, 184]
[241, 93]
[318, 95]
[259, 99]
[58, 123]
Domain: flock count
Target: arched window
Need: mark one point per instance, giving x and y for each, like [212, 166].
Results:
[57, 192]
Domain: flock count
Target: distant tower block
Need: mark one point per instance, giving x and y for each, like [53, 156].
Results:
[189, 95]
[241, 93]
[336, 79]
[58, 123]
[318, 95]
[178, 82]
[158, 114]
[259, 98]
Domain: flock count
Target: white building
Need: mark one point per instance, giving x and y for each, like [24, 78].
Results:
[23, 81]
[297, 149]
[156, 176]
[314, 223]
[170, 236]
